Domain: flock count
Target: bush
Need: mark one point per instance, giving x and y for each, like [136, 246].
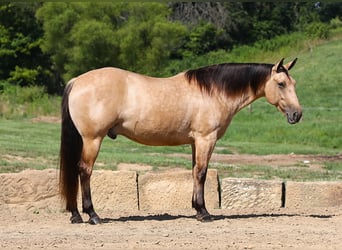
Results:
[23, 76]
[317, 30]
[335, 23]
[203, 38]
[16, 101]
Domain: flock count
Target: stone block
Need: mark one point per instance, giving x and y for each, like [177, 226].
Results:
[250, 193]
[111, 190]
[114, 190]
[28, 186]
[313, 194]
[170, 190]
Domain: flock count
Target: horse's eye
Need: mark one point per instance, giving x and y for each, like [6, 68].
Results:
[281, 85]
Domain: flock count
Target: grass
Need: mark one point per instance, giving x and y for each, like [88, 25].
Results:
[28, 145]
[24, 144]
[294, 173]
[258, 133]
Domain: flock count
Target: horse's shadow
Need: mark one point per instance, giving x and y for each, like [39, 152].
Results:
[167, 217]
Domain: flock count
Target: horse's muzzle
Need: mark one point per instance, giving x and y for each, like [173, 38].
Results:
[293, 116]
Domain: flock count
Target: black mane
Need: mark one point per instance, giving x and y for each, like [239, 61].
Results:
[232, 78]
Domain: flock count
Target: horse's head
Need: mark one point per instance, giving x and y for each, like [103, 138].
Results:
[280, 91]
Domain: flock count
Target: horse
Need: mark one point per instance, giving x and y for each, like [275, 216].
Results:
[193, 107]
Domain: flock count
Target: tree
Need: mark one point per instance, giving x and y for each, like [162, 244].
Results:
[328, 11]
[210, 25]
[148, 38]
[22, 62]
[194, 13]
[84, 36]
[78, 36]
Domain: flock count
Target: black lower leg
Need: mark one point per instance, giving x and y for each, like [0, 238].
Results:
[202, 213]
[93, 217]
[72, 207]
[198, 201]
[76, 217]
[87, 204]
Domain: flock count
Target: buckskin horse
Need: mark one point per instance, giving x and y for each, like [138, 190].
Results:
[193, 107]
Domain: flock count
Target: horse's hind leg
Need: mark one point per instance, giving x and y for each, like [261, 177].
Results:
[89, 153]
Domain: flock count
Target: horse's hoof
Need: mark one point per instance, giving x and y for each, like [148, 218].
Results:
[76, 219]
[204, 217]
[94, 220]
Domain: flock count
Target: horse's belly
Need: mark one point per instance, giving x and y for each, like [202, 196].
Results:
[154, 135]
[159, 140]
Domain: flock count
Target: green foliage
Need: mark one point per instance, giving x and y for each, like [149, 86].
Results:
[265, 20]
[21, 60]
[134, 36]
[147, 39]
[88, 52]
[19, 102]
[79, 36]
[23, 76]
[329, 10]
[261, 51]
[202, 39]
[46, 44]
[335, 23]
[317, 30]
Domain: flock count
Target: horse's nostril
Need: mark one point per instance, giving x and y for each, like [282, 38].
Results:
[295, 116]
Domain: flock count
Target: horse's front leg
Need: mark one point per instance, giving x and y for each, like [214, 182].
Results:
[89, 154]
[201, 153]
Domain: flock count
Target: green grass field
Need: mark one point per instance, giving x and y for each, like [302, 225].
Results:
[25, 144]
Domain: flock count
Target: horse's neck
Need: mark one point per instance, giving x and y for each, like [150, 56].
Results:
[251, 98]
[246, 98]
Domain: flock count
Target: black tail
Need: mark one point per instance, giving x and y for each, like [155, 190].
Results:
[70, 155]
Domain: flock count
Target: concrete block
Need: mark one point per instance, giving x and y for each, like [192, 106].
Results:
[114, 190]
[28, 186]
[170, 190]
[248, 193]
[313, 194]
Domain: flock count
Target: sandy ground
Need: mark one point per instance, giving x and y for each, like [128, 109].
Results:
[245, 229]
[36, 223]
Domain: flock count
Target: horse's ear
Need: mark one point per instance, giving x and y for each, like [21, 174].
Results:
[278, 66]
[290, 65]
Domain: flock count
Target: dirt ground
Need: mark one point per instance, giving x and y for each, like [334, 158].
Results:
[36, 223]
[22, 228]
